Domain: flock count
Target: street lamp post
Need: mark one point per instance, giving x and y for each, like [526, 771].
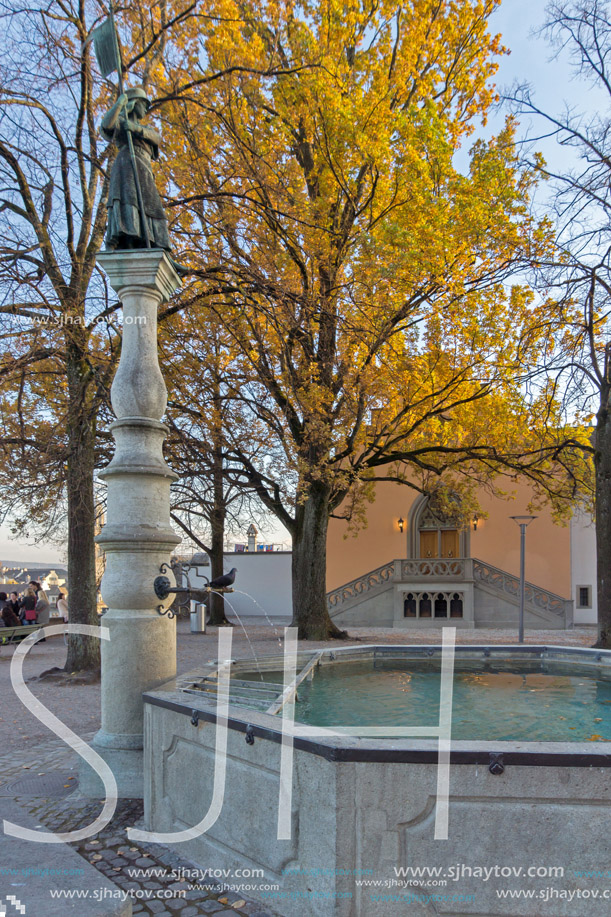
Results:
[523, 522]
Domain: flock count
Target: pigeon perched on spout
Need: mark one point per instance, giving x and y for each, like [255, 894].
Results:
[227, 579]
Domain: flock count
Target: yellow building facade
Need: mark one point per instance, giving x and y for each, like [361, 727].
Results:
[407, 566]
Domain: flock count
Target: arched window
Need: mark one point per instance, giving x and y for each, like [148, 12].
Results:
[409, 606]
[425, 605]
[441, 606]
[456, 606]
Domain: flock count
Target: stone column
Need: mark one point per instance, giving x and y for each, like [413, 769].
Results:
[137, 538]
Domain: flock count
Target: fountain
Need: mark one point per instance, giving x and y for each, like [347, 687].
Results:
[365, 801]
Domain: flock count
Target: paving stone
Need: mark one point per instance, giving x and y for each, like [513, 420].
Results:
[124, 881]
[176, 885]
[157, 907]
[253, 909]
[194, 894]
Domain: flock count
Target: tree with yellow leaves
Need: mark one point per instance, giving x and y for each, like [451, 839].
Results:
[357, 270]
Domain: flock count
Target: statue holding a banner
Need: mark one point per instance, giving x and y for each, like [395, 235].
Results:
[135, 211]
[136, 218]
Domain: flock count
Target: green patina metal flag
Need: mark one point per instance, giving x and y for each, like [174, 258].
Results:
[106, 47]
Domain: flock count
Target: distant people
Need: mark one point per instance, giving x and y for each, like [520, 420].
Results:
[28, 606]
[43, 608]
[3, 605]
[8, 618]
[14, 602]
[62, 606]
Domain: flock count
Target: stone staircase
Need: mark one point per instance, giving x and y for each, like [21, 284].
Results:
[494, 593]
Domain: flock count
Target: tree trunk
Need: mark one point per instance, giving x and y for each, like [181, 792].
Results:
[309, 568]
[217, 602]
[602, 461]
[83, 651]
[217, 537]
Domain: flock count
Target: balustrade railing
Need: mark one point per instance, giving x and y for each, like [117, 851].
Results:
[397, 571]
[459, 569]
[361, 585]
[506, 583]
[433, 566]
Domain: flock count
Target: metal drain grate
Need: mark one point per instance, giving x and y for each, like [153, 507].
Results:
[55, 784]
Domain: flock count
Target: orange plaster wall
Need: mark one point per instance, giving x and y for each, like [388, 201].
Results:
[496, 541]
[375, 545]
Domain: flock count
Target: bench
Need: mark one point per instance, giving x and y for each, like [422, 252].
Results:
[14, 634]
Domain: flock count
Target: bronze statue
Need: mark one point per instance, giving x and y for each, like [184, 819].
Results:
[135, 210]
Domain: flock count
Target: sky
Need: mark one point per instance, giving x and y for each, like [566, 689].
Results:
[533, 60]
[552, 83]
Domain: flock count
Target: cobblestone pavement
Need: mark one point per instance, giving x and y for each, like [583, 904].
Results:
[29, 750]
[158, 881]
[146, 872]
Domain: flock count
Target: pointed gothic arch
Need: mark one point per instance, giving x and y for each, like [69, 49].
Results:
[442, 537]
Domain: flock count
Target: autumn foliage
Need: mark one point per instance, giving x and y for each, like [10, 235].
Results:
[360, 261]
[359, 271]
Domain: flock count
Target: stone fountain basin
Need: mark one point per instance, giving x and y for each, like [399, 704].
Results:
[362, 808]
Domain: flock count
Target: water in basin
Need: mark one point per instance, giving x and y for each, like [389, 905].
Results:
[530, 701]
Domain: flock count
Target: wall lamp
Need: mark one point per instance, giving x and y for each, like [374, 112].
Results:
[475, 521]
[401, 524]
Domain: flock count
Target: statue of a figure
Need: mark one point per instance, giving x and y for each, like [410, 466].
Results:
[125, 229]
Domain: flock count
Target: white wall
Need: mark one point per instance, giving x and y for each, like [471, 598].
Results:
[266, 576]
[583, 564]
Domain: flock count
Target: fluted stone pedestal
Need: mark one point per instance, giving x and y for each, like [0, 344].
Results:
[137, 537]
